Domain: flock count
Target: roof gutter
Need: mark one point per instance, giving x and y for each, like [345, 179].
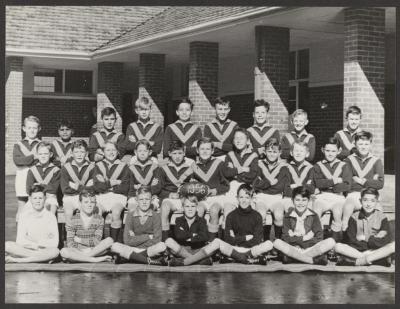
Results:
[183, 32]
[45, 53]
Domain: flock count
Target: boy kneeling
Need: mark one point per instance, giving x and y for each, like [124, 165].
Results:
[368, 236]
[37, 233]
[85, 232]
[302, 237]
[142, 233]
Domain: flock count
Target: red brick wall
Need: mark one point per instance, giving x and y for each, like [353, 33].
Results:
[323, 123]
[152, 83]
[51, 110]
[203, 79]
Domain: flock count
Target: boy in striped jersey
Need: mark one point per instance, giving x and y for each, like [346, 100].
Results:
[299, 171]
[183, 130]
[108, 133]
[142, 173]
[212, 172]
[61, 148]
[24, 156]
[167, 180]
[299, 121]
[111, 183]
[346, 136]
[221, 129]
[144, 128]
[47, 174]
[332, 179]
[367, 172]
[261, 131]
[270, 183]
[75, 176]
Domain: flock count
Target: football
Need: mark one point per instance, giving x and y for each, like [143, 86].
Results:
[194, 188]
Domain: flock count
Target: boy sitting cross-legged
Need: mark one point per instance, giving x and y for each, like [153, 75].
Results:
[37, 233]
[211, 172]
[260, 132]
[167, 179]
[141, 173]
[111, 183]
[270, 182]
[85, 232]
[368, 237]
[367, 172]
[302, 238]
[142, 233]
[332, 179]
[221, 129]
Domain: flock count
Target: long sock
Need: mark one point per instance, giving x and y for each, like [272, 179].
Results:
[138, 257]
[199, 255]
[114, 232]
[165, 235]
[183, 252]
[267, 231]
[240, 257]
[278, 232]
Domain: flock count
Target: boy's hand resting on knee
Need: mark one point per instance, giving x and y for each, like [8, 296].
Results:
[212, 192]
[308, 236]
[249, 237]
[131, 233]
[115, 182]
[360, 237]
[77, 239]
[381, 234]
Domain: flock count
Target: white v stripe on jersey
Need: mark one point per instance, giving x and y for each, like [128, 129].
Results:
[206, 176]
[246, 163]
[39, 178]
[296, 177]
[181, 179]
[101, 141]
[60, 152]
[328, 175]
[143, 181]
[271, 176]
[139, 134]
[362, 172]
[183, 137]
[222, 137]
[74, 177]
[261, 139]
[290, 138]
[25, 150]
[117, 172]
[347, 143]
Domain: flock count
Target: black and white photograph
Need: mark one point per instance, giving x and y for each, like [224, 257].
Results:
[199, 154]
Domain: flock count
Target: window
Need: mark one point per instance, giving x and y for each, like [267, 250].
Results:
[299, 64]
[63, 81]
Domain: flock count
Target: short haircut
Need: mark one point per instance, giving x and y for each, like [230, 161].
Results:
[142, 102]
[299, 112]
[241, 130]
[262, 102]
[86, 193]
[191, 198]
[221, 101]
[176, 145]
[108, 111]
[302, 190]
[302, 144]
[64, 123]
[355, 110]
[332, 141]
[78, 144]
[143, 189]
[204, 140]
[36, 188]
[363, 135]
[185, 100]
[44, 145]
[272, 142]
[370, 191]
[247, 188]
[144, 142]
[110, 143]
[32, 119]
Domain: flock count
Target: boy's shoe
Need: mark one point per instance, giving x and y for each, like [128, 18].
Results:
[383, 262]
[161, 261]
[119, 259]
[207, 261]
[174, 261]
[320, 260]
[261, 260]
[225, 260]
[332, 256]
[287, 260]
[273, 253]
[216, 257]
[345, 261]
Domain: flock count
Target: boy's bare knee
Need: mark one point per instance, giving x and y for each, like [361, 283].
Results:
[169, 242]
[64, 252]
[54, 252]
[109, 241]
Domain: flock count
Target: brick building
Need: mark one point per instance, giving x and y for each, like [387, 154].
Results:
[66, 62]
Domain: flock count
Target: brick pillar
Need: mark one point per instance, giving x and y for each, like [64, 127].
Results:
[152, 83]
[14, 82]
[364, 69]
[271, 73]
[203, 79]
[109, 90]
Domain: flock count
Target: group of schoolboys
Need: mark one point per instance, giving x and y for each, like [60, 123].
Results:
[246, 174]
